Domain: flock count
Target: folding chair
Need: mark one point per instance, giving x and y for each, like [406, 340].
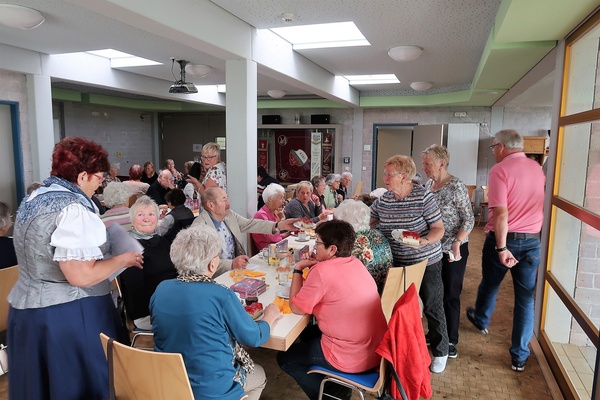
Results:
[397, 281]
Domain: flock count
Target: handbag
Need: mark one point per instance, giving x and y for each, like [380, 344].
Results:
[3, 359]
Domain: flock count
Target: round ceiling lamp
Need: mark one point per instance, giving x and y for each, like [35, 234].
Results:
[276, 93]
[421, 86]
[15, 16]
[198, 70]
[405, 53]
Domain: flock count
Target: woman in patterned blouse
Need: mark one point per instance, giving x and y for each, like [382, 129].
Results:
[455, 205]
[214, 167]
[370, 246]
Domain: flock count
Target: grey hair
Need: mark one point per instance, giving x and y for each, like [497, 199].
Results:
[271, 190]
[163, 172]
[402, 164]
[5, 219]
[356, 213]
[306, 184]
[115, 166]
[439, 153]
[116, 193]
[212, 147]
[332, 177]
[347, 174]
[510, 139]
[142, 201]
[194, 248]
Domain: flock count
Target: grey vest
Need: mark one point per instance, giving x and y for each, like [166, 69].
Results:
[41, 282]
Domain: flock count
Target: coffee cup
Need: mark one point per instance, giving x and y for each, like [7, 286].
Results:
[284, 288]
[329, 217]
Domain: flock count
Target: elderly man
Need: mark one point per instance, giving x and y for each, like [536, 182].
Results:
[516, 201]
[231, 225]
[345, 183]
[161, 186]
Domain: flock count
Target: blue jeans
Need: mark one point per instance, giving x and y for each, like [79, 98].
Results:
[296, 360]
[524, 274]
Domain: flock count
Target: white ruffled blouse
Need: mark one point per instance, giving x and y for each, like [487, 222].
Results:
[79, 234]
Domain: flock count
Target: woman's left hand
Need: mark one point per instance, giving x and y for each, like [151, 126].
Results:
[455, 249]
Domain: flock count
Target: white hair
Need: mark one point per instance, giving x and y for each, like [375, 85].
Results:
[116, 193]
[194, 248]
[356, 213]
[271, 190]
[347, 174]
[5, 219]
[331, 178]
[142, 201]
[378, 192]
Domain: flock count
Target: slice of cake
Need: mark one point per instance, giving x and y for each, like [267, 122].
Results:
[255, 310]
[410, 237]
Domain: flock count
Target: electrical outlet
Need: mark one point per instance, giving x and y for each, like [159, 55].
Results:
[460, 114]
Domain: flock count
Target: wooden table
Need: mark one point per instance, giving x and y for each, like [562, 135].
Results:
[289, 326]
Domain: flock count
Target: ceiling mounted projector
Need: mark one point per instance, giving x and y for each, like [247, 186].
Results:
[181, 86]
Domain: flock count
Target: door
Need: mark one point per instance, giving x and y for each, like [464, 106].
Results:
[391, 140]
[8, 186]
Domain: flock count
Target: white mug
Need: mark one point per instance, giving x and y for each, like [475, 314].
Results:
[302, 236]
[284, 288]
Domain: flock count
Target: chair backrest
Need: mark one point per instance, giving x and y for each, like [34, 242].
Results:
[485, 193]
[252, 248]
[471, 190]
[397, 281]
[8, 277]
[358, 188]
[142, 374]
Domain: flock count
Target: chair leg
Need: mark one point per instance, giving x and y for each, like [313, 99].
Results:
[333, 380]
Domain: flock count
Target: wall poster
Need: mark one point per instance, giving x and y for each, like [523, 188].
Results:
[263, 153]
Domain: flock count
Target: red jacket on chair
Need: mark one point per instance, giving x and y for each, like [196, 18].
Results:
[404, 346]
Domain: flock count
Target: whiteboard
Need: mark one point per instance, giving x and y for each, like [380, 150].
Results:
[463, 145]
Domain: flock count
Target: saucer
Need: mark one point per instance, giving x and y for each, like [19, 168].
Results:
[300, 240]
[283, 296]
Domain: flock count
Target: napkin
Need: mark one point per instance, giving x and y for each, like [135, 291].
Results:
[283, 305]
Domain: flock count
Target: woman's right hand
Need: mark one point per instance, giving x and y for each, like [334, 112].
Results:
[315, 199]
[271, 314]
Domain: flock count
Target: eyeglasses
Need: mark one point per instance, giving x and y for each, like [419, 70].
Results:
[494, 145]
[317, 243]
[100, 177]
[207, 157]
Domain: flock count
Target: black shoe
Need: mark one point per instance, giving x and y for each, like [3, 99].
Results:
[471, 317]
[519, 366]
[427, 341]
[452, 352]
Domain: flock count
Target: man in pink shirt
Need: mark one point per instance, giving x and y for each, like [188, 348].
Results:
[516, 200]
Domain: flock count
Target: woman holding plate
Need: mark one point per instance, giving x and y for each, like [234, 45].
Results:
[408, 206]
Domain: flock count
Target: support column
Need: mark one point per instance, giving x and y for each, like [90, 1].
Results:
[357, 148]
[41, 128]
[241, 133]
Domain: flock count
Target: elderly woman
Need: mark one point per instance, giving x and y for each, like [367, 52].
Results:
[179, 217]
[116, 198]
[274, 198]
[215, 169]
[408, 206]
[208, 335]
[61, 301]
[8, 258]
[139, 285]
[149, 176]
[457, 215]
[337, 286]
[302, 206]
[112, 174]
[318, 196]
[134, 184]
[370, 246]
[331, 196]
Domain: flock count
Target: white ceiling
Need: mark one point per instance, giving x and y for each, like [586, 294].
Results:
[459, 54]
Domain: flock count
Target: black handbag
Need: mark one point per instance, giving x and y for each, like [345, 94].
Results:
[386, 393]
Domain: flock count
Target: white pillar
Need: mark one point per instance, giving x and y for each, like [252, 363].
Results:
[241, 131]
[357, 150]
[41, 127]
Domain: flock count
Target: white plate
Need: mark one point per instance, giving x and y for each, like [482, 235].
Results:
[297, 225]
[283, 296]
[305, 240]
[251, 267]
[397, 235]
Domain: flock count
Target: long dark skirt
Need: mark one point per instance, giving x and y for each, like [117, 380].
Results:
[55, 352]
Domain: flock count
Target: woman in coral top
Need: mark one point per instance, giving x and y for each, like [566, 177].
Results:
[337, 285]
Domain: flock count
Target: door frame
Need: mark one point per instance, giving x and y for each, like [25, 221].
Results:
[375, 144]
[17, 148]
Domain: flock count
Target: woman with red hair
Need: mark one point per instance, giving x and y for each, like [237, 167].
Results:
[134, 184]
[61, 301]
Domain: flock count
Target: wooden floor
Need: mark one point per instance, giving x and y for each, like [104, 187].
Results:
[481, 371]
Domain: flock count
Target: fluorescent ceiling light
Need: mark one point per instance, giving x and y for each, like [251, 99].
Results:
[222, 88]
[318, 36]
[118, 59]
[372, 79]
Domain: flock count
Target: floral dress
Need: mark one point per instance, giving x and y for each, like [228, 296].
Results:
[217, 173]
[373, 250]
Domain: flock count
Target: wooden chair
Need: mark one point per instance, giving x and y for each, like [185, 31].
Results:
[397, 281]
[471, 189]
[358, 189]
[483, 205]
[142, 374]
[252, 249]
[8, 278]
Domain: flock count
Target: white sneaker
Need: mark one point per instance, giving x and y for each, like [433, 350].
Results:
[438, 365]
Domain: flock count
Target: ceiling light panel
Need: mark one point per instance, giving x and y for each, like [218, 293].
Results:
[338, 34]
[372, 79]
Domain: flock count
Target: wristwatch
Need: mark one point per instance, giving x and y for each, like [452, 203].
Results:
[457, 240]
[298, 271]
[500, 249]
[276, 227]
